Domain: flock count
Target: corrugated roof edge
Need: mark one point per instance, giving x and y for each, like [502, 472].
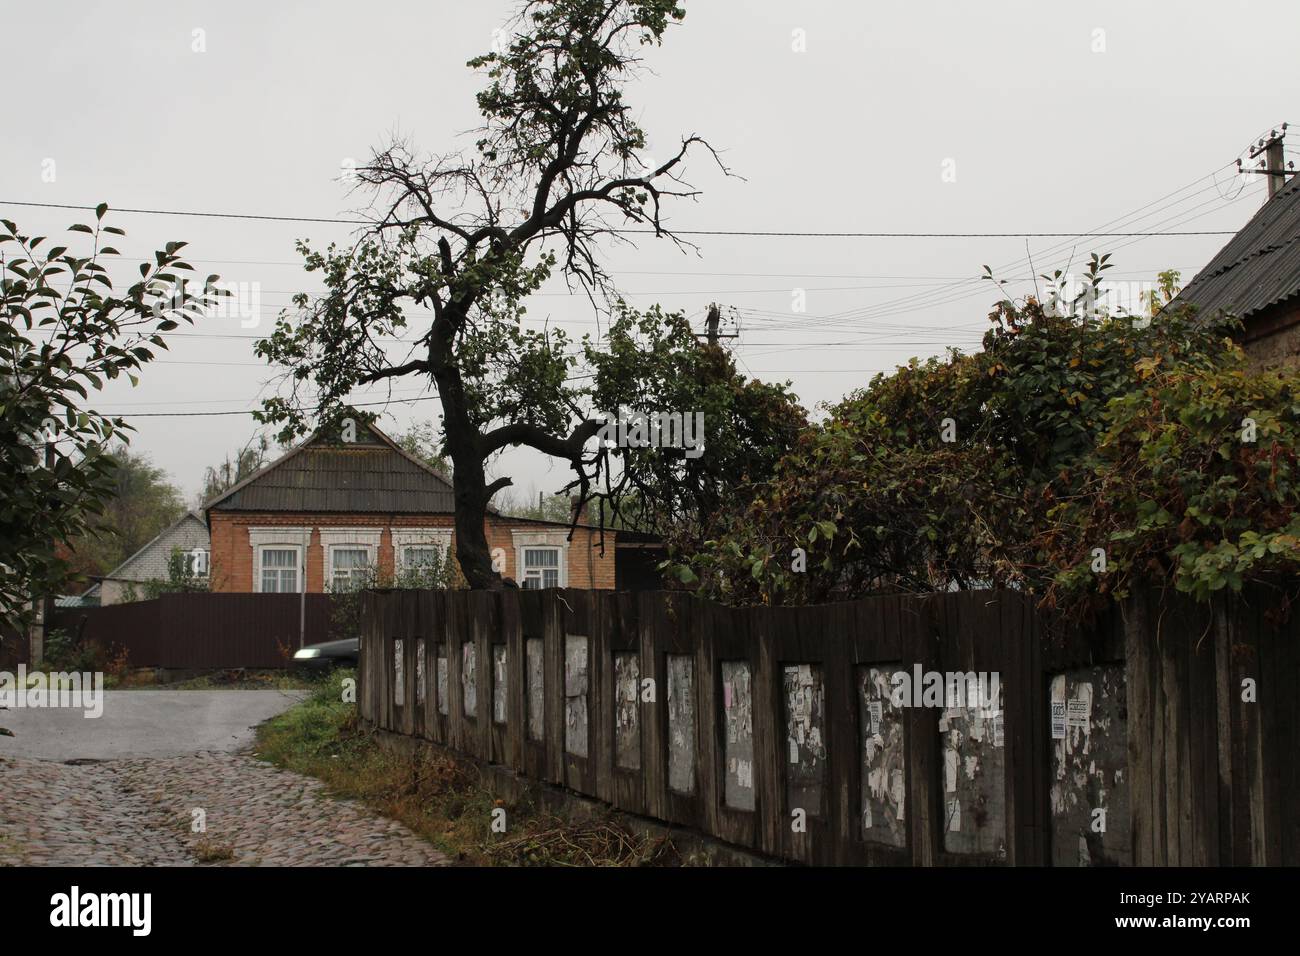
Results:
[414, 459]
[1282, 208]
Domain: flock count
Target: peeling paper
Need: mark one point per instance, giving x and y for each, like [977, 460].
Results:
[738, 718]
[1058, 720]
[441, 676]
[576, 678]
[953, 816]
[975, 778]
[627, 716]
[1088, 764]
[1077, 714]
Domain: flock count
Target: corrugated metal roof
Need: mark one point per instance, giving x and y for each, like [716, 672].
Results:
[1260, 265]
[350, 478]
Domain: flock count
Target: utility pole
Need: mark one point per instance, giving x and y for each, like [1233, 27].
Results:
[1273, 164]
[712, 323]
[46, 608]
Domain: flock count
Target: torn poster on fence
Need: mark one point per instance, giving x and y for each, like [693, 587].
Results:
[1058, 720]
[1077, 713]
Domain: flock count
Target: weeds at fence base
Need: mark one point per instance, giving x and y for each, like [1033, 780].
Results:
[242, 678]
[557, 842]
[442, 799]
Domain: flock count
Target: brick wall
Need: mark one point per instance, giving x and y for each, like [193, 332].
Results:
[233, 560]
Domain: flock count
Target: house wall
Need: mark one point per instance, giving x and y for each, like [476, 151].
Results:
[233, 559]
[151, 563]
[112, 591]
[1272, 337]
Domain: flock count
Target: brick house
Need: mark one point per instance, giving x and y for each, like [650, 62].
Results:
[189, 535]
[333, 508]
[1256, 277]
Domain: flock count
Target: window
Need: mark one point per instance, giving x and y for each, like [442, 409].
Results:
[419, 556]
[279, 570]
[349, 556]
[419, 552]
[278, 558]
[541, 568]
[349, 567]
[541, 558]
[196, 562]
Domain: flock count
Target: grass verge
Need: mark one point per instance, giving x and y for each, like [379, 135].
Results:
[440, 798]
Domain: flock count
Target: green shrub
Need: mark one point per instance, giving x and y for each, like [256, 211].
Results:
[1074, 460]
[64, 653]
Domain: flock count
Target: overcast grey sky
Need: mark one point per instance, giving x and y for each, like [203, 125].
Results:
[849, 117]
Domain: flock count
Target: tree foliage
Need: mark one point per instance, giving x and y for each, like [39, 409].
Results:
[65, 334]
[1084, 457]
[421, 440]
[346, 602]
[1195, 481]
[181, 579]
[141, 502]
[559, 168]
[650, 360]
[220, 478]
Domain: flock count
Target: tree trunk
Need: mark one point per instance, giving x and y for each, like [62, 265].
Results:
[471, 514]
[469, 482]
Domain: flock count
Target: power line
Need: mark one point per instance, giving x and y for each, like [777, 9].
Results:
[311, 408]
[1133, 217]
[920, 301]
[771, 233]
[430, 398]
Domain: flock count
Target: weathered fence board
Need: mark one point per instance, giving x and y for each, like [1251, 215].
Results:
[818, 734]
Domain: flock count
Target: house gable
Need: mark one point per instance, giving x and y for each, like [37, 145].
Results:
[327, 474]
[151, 561]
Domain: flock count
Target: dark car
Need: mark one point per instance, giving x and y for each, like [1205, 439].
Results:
[328, 655]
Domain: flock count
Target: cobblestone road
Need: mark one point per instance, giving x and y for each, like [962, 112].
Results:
[140, 811]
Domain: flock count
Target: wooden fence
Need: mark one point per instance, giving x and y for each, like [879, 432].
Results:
[203, 631]
[14, 645]
[793, 731]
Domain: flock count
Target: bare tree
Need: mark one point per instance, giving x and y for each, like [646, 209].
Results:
[559, 168]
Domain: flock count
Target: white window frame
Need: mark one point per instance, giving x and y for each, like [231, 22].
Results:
[297, 569]
[197, 562]
[279, 539]
[349, 539]
[334, 549]
[541, 539]
[404, 538]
